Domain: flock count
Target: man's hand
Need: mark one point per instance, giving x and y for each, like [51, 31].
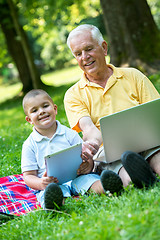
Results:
[89, 149]
[91, 136]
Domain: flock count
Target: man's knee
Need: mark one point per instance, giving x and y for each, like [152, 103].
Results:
[124, 176]
[154, 162]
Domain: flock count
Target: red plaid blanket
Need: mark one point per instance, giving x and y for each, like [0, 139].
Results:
[16, 197]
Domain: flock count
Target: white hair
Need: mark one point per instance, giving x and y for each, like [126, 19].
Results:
[95, 33]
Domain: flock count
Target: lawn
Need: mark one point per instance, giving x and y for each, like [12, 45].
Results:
[132, 216]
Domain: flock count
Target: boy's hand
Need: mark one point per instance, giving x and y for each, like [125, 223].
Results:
[89, 149]
[85, 167]
[45, 180]
[33, 181]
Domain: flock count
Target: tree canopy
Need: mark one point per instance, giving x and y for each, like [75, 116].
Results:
[40, 28]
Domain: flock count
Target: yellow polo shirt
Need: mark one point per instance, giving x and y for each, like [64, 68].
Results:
[127, 87]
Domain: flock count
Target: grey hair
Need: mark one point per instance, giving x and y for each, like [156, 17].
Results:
[95, 33]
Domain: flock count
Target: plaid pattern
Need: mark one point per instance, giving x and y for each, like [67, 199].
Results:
[16, 197]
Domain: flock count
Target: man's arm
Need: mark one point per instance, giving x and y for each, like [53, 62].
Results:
[91, 136]
[90, 132]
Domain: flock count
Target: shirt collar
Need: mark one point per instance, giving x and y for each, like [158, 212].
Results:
[38, 137]
[117, 73]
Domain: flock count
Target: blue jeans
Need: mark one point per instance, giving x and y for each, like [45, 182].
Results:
[79, 185]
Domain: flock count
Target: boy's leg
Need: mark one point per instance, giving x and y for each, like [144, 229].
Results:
[53, 193]
[97, 187]
[116, 167]
[53, 196]
[83, 183]
[108, 181]
[111, 182]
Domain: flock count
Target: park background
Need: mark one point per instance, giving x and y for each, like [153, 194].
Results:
[34, 54]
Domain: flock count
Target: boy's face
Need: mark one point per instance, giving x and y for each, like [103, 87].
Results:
[41, 112]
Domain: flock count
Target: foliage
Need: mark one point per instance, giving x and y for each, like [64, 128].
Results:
[155, 9]
[47, 24]
[155, 78]
[51, 22]
[4, 56]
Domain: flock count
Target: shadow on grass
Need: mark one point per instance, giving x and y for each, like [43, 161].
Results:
[4, 217]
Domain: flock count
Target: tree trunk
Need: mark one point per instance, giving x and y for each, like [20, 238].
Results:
[133, 35]
[18, 48]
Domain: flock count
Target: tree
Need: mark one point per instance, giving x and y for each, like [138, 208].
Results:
[18, 46]
[134, 38]
[50, 21]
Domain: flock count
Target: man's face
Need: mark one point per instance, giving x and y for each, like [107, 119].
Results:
[89, 54]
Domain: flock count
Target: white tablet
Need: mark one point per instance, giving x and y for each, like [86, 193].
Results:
[64, 164]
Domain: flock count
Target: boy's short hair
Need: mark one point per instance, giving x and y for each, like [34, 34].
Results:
[34, 93]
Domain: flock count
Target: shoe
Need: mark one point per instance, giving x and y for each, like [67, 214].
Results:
[111, 181]
[138, 169]
[53, 196]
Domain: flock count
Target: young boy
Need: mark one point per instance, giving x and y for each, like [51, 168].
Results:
[50, 136]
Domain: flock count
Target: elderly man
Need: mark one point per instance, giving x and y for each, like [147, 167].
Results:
[105, 89]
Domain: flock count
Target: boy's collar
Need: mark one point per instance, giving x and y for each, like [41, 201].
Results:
[38, 137]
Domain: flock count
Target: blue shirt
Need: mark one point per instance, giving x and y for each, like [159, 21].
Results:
[37, 146]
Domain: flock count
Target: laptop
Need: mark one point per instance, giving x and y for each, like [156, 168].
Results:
[64, 164]
[135, 129]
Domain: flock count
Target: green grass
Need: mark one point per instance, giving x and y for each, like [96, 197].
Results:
[65, 76]
[132, 216]
[12, 90]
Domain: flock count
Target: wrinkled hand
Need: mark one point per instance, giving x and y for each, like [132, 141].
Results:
[89, 149]
[85, 167]
[45, 180]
